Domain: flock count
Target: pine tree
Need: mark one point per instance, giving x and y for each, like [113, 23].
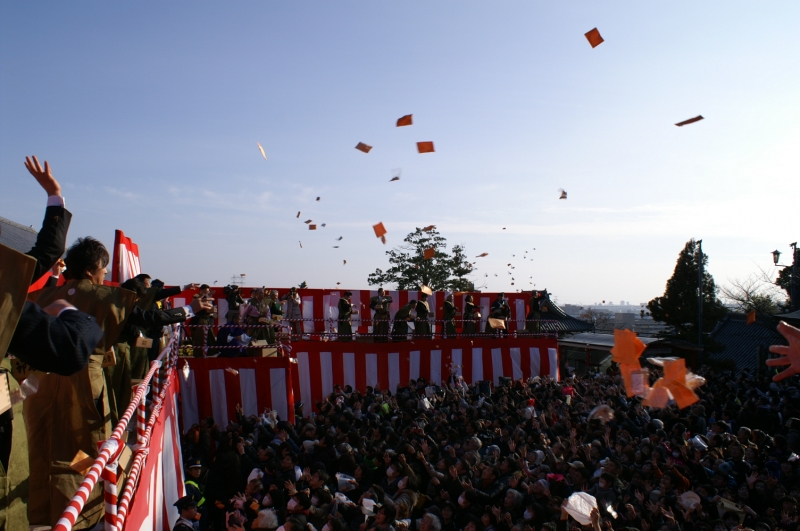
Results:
[410, 270]
[678, 306]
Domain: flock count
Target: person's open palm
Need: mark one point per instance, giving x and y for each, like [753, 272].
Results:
[790, 355]
[43, 176]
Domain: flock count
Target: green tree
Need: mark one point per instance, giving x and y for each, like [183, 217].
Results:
[410, 270]
[678, 306]
[303, 285]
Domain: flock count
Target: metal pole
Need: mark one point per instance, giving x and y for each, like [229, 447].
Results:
[700, 292]
[793, 304]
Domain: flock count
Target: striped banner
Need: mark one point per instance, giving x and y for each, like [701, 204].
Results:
[321, 365]
[161, 485]
[126, 258]
[211, 387]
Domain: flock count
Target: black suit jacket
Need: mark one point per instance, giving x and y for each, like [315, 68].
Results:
[55, 344]
[155, 318]
[51, 241]
[168, 292]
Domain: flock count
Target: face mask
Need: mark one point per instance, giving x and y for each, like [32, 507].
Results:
[292, 504]
[390, 471]
[314, 501]
[675, 454]
[528, 515]
[326, 527]
[462, 500]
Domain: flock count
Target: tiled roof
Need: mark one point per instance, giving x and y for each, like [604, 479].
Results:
[746, 344]
[561, 322]
[18, 237]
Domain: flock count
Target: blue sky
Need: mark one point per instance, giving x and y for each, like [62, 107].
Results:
[149, 113]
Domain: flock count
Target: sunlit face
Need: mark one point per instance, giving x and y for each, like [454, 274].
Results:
[97, 276]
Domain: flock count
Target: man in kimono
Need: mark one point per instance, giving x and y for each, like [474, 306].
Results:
[345, 311]
[422, 327]
[380, 320]
[401, 319]
[449, 316]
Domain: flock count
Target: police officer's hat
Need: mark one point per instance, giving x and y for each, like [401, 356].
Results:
[194, 463]
[187, 502]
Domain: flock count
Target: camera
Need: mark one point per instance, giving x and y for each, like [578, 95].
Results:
[230, 289]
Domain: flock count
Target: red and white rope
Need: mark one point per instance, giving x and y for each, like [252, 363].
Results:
[141, 419]
[108, 449]
[111, 448]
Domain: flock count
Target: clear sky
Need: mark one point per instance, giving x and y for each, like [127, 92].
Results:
[149, 113]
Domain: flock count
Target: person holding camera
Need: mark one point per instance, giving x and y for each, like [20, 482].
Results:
[293, 312]
[203, 337]
[234, 297]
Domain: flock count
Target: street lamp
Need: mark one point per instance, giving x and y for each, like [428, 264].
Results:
[793, 298]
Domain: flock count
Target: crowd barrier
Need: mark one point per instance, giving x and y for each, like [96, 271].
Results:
[540, 328]
[156, 474]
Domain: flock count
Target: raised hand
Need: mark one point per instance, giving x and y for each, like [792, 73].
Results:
[790, 355]
[43, 176]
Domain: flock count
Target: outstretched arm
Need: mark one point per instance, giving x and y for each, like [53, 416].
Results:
[51, 241]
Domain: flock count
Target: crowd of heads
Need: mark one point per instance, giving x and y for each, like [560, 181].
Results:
[509, 458]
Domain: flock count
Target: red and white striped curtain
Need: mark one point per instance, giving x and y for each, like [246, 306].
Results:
[126, 259]
[161, 478]
[321, 365]
[211, 387]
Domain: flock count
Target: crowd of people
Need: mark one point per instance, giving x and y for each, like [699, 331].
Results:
[265, 318]
[510, 458]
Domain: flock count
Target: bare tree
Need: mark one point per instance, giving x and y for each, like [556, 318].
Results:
[757, 292]
[602, 319]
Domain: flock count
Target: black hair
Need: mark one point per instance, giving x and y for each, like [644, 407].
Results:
[85, 255]
[135, 285]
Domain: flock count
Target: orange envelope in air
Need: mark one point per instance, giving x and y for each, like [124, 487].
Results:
[429, 253]
[594, 38]
[379, 229]
[425, 147]
[405, 120]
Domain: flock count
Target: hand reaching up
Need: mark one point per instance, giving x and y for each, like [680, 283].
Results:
[789, 355]
[43, 176]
